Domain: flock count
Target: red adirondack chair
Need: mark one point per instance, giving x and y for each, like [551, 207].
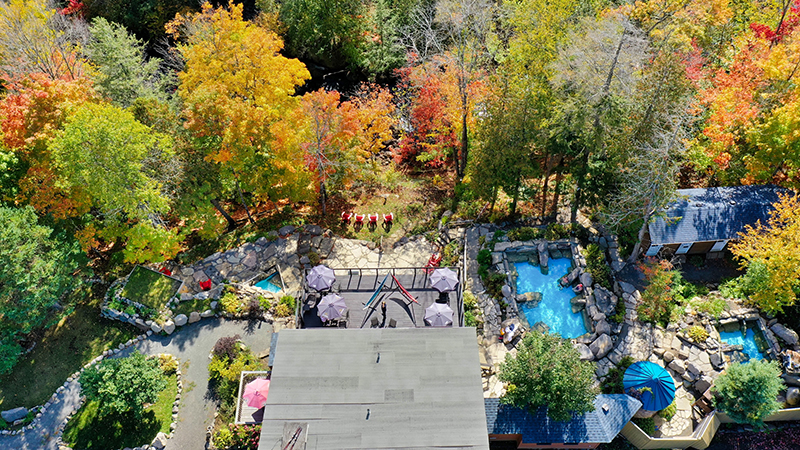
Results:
[205, 285]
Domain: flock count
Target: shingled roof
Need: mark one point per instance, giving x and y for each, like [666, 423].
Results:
[713, 214]
[598, 426]
[377, 388]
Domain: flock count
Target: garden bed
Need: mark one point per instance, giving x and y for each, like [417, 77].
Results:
[150, 288]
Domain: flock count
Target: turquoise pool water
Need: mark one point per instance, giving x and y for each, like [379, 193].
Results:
[267, 284]
[747, 341]
[554, 309]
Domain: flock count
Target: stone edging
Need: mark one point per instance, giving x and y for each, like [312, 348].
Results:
[159, 442]
[43, 408]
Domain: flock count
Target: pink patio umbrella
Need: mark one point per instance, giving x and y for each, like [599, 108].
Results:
[255, 392]
[331, 307]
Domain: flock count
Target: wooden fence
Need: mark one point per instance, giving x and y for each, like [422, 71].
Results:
[701, 437]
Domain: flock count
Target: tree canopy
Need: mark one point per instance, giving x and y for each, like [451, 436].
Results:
[747, 392]
[547, 372]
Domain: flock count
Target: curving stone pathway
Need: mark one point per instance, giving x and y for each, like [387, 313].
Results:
[193, 345]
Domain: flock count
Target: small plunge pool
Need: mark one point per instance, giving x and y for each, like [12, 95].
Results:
[747, 341]
[267, 284]
[555, 309]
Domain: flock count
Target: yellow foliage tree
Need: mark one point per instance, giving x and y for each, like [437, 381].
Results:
[236, 86]
[769, 252]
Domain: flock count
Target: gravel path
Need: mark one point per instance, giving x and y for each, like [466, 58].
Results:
[191, 344]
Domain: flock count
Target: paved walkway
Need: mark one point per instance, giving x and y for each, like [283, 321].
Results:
[191, 344]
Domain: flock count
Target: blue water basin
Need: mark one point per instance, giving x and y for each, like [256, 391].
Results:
[554, 309]
[747, 341]
[267, 284]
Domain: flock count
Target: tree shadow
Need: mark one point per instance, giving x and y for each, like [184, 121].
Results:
[94, 431]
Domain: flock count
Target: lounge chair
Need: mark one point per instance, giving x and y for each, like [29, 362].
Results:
[392, 323]
[373, 323]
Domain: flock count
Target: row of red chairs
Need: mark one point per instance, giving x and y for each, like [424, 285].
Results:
[372, 218]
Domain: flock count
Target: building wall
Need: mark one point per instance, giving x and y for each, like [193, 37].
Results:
[504, 441]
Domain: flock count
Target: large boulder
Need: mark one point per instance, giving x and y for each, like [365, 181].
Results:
[668, 356]
[585, 352]
[194, 317]
[787, 335]
[506, 290]
[602, 327]
[160, 441]
[626, 287]
[791, 379]
[791, 361]
[15, 414]
[793, 396]
[169, 327]
[677, 366]
[586, 279]
[703, 384]
[285, 231]
[181, 320]
[155, 327]
[601, 346]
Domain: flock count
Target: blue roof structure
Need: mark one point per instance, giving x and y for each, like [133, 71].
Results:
[598, 426]
[713, 214]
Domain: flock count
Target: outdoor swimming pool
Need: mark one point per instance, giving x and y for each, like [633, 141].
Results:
[554, 309]
[748, 342]
[267, 284]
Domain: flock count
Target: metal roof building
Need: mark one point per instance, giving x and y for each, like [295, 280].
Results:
[704, 220]
[375, 388]
[507, 423]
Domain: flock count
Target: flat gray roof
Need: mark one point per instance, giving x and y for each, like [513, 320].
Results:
[424, 392]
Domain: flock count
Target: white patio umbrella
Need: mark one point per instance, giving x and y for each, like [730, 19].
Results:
[439, 315]
[331, 306]
[320, 277]
[444, 280]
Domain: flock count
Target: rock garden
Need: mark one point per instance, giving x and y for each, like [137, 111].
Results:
[623, 323]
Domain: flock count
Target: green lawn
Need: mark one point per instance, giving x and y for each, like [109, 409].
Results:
[192, 305]
[88, 430]
[150, 288]
[75, 340]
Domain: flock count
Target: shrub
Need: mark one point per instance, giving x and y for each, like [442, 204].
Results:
[314, 258]
[238, 437]
[647, 425]
[669, 412]
[289, 301]
[713, 306]
[3, 424]
[697, 333]
[225, 370]
[282, 310]
[469, 319]
[484, 257]
[556, 231]
[525, 234]
[619, 312]
[230, 303]
[264, 303]
[122, 385]
[167, 363]
[451, 254]
[747, 392]
[658, 298]
[253, 308]
[547, 371]
[613, 381]
[469, 300]
[494, 282]
[226, 347]
[596, 265]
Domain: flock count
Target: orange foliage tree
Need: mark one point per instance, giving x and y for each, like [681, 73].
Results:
[340, 137]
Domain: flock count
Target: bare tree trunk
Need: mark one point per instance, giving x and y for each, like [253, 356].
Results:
[546, 181]
[559, 177]
[462, 166]
[636, 248]
[218, 207]
[516, 195]
[244, 203]
[323, 198]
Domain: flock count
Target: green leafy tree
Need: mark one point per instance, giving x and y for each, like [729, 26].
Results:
[35, 271]
[547, 371]
[124, 385]
[123, 71]
[329, 32]
[747, 392]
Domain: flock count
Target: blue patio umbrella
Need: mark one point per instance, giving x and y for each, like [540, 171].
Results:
[653, 381]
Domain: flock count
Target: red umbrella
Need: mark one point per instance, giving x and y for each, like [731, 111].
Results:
[255, 392]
